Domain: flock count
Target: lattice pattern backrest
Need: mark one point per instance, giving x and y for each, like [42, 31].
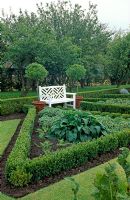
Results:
[52, 92]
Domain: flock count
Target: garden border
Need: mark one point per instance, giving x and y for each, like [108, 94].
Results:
[24, 170]
[92, 106]
[12, 105]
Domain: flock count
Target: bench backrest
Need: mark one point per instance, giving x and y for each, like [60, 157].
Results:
[52, 92]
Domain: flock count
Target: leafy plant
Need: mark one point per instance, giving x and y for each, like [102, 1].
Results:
[124, 161]
[48, 116]
[77, 127]
[45, 146]
[111, 184]
[75, 187]
[114, 124]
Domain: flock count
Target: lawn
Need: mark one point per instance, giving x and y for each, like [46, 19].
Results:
[62, 190]
[7, 129]
[15, 94]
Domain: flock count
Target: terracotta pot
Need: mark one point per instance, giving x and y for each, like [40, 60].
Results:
[39, 105]
[78, 100]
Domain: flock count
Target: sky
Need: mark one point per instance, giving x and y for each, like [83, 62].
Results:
[115, 13]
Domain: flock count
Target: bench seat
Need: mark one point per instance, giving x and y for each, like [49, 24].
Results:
[55, 95]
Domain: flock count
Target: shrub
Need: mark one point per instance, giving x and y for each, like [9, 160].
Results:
[9, 106]
[19, 177]
[111, 184]
[105, 107]
[77, 127]
[48, 116]
[47, 165]
[99, 93]
[19, 155]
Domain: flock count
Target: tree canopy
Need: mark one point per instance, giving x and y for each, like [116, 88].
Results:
[59, 35]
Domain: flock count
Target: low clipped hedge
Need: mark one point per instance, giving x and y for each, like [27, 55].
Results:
[101, 93]
[92, 106]
[9, 106]
[112, 115]
[20, 170]
[94, 99]
[20, 153]
[76, 155]
[116, 96]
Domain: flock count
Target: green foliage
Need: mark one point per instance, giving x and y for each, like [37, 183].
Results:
[101, 92]
[48, 116]
[67, 158]
[124, 161]
[114, 124]
[116, 96]
[36, 72]
[46, 147]
[92, 106]
[77, 127]
[19, 178]
[16, 167]
[118, 53]
[117, 101]
[75, 187]
[57, 35]
[76, 72]
[111, 184]
[13, 105]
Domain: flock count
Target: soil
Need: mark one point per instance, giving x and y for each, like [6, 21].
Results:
[36, 149]
[12, 116]
[19, 192]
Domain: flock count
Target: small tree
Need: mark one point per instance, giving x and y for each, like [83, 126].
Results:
[75, 73]
[36, 72]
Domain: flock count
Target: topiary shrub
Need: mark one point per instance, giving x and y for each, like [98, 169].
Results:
[77, 127]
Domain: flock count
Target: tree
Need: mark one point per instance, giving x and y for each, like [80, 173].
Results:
[118, 55]
[57, 36]
[75, 73]
[36, 72]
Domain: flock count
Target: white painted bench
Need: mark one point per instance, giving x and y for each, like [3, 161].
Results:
[55, 95]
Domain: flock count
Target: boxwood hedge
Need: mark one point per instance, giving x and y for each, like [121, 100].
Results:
[101, 93]
[20, 170]
[9, 106]
[85, 105]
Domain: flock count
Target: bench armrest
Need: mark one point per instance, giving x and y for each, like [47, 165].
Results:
[71, 94]
[68, 93]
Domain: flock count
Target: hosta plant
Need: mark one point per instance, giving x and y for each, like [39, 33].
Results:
[77, 127]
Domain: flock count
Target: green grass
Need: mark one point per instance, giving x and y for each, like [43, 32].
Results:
[62, 190]
[7, 129]
[15, 94]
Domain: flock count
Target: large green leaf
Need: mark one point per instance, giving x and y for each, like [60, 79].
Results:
[71, 136]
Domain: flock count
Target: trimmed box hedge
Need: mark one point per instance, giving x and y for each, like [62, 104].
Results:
[9, 106]
[92, 106]
[20, 170]
[116, 96]
[101, 93]
[20, 152]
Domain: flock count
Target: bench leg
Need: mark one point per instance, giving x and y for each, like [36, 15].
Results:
[50, 105]
[65, 105]
[74, 104]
